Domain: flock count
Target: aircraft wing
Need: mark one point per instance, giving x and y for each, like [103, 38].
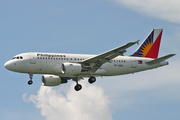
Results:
[99, 60]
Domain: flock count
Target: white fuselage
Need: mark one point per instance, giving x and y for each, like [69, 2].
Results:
[50, 63]
[60, 67]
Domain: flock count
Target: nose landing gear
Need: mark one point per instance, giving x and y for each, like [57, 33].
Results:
[30, 82]
[30, 76]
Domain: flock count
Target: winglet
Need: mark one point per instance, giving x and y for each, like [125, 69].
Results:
[138, 41]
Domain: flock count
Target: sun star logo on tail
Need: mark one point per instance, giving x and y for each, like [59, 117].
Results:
[150, 46]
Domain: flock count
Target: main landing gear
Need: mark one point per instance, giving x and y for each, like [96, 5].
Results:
[78, 87]
[30, 76]
[92, 79]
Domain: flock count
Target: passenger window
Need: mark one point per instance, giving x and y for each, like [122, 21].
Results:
[21, 57]
[17, 57]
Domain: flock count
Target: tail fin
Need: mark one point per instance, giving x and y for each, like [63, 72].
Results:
[150, 47]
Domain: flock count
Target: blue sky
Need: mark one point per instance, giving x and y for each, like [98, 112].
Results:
[89, 27]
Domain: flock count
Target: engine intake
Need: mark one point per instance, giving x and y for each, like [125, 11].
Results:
[71, 68]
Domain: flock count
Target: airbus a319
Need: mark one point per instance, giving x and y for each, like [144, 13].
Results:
[61, 67]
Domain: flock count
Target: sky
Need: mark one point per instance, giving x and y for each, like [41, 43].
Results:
[89, 27]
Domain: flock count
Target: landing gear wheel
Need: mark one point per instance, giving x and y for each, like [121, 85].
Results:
[92, 79]
[30, 76]
[30, 82]
[78, 87]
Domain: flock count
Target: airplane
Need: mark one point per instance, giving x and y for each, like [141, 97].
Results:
[58, 68]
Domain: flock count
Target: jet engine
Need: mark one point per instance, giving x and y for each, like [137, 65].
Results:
[71, 68]
[51, 80]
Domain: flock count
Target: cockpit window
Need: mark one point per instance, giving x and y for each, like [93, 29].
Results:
[18, 57]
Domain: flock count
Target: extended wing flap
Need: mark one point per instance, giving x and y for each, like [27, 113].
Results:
[158, 60]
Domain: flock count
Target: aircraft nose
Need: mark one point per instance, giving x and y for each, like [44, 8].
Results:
[7, 65]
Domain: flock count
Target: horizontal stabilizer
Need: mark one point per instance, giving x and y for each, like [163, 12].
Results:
[158, 60]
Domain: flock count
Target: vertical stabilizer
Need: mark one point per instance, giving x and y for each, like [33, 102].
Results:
[150, 47]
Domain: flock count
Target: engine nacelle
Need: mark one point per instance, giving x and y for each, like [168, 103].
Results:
[51, 80]
[71, 68]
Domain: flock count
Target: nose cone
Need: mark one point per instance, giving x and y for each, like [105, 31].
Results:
[13, 65]
[7, 65]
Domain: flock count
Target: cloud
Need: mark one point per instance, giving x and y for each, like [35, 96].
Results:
[168, 10]
[88, 104]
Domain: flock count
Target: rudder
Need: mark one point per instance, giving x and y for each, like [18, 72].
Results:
[150, 47]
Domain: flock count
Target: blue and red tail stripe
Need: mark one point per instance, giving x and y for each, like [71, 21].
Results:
[150, 47]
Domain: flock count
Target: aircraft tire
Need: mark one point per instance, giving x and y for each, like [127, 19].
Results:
[78, 87]
[92, 79]
[30, 82]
